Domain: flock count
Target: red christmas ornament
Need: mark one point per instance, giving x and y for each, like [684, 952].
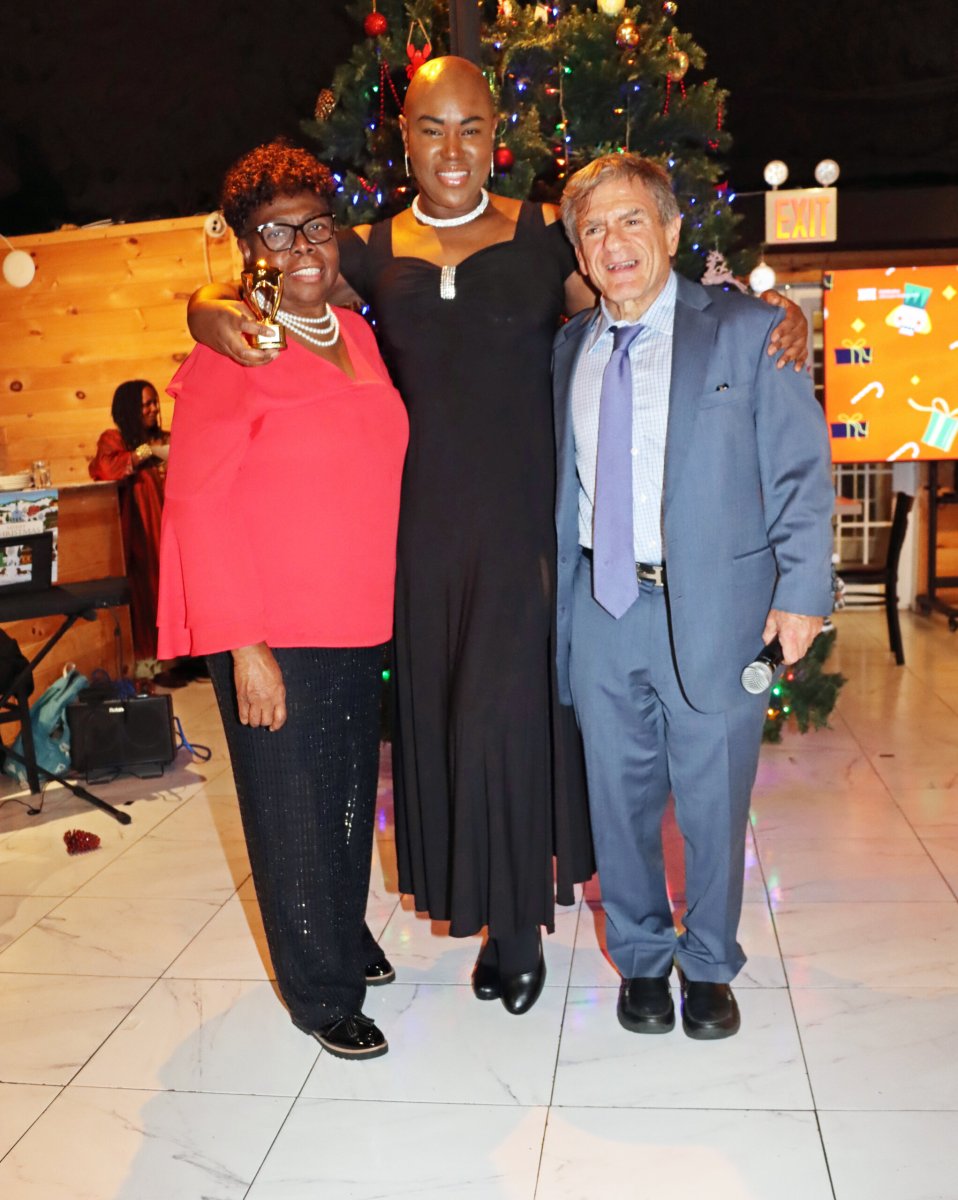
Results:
[78, 841]
[417, 56]
[503, 158]
[375, 24]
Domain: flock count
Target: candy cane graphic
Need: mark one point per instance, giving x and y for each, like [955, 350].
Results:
[874, 386]
[912, 446]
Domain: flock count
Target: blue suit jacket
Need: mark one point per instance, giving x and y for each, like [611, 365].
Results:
[747, 498]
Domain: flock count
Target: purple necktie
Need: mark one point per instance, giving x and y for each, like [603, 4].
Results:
[614, 583]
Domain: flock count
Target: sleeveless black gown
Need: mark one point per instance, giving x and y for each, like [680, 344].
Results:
[488, 773]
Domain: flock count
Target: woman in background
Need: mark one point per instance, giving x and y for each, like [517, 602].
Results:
[136, 451]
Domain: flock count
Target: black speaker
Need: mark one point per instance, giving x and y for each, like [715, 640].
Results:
[135, 735]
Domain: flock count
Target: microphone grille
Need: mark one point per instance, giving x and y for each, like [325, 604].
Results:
[757, 678]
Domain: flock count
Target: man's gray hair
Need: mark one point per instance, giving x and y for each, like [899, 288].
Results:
[579, 189]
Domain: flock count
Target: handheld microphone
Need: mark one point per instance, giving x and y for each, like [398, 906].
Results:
[758, 675]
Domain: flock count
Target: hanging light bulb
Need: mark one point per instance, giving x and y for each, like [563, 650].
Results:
[19, 268]
[762, 278]
[611, 8]
[827, 172]
[775, 173]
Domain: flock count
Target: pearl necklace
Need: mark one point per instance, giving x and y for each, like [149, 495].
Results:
[321, 331]
[451, 222]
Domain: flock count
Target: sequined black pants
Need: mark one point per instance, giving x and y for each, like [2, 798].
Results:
[307, 796]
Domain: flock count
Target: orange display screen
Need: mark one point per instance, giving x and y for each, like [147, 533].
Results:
[891, 364]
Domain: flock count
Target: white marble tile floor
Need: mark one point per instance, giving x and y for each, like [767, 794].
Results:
[144, 1054]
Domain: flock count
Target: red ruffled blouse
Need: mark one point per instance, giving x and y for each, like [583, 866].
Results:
[282, 501]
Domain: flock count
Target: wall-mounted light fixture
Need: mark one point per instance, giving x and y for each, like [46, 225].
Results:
[18, 267]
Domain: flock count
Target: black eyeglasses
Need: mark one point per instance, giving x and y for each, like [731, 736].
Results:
[276, 235]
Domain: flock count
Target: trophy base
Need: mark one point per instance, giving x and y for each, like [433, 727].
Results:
[270, 337]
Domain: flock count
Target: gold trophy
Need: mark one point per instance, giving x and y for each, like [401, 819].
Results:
[263, 291]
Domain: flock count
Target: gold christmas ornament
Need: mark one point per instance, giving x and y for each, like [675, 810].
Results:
[325, 103]
[627, 35]
[678, 64]
[610, 8]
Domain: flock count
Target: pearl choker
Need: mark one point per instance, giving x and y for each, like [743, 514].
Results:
[450, 222]
[320, 331]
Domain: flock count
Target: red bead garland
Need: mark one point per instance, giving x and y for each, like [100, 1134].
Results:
[78, 841]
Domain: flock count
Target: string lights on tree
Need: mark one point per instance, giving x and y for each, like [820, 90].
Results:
[569, 82]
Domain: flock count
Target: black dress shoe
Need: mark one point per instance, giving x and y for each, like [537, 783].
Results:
[486, 984]
[354, 1036]
[709, 1010]
[645, 1005]
[520, 992]
[379, 972]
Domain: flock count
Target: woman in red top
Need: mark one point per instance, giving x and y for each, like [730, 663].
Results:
[136, 450]
[278, 563]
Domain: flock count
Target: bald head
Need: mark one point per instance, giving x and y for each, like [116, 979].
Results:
[448, 127]
[448, 76]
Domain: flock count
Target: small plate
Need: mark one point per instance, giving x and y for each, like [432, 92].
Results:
[16, 483]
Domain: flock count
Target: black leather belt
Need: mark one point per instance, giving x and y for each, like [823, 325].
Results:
[644, 572]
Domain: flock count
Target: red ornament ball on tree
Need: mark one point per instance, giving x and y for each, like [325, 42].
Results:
[503, 158]
[375, 24]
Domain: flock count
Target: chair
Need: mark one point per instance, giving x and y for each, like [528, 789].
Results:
[885, 573]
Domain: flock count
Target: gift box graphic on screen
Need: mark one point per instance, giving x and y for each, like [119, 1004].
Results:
[849, 425]
[853, 353]
[942, 423]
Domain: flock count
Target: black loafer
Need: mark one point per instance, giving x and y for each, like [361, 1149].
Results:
[354, 1036]
[378, 973]
[645, 1005]
[709, 1010]
[520, 992]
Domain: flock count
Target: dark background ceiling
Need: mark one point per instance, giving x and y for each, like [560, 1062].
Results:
[133, 111]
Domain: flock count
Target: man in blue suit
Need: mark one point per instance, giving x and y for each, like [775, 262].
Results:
[693, 518]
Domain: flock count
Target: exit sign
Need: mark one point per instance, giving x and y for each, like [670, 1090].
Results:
[801, 215]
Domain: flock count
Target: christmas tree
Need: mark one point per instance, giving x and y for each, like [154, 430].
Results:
[570, 83]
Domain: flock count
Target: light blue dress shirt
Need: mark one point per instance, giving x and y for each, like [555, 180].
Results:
[650, 357]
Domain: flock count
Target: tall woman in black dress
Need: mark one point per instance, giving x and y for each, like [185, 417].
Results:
[468, 289]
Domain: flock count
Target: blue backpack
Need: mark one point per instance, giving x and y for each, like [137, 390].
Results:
[51, 733]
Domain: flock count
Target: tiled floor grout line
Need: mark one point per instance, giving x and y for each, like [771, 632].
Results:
[555, 1064]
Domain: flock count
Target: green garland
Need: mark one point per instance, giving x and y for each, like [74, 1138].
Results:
[805, 693]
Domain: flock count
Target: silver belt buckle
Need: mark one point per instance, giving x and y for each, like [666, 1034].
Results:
[650, 574]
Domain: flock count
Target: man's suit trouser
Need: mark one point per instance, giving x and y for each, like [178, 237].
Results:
[641, 738]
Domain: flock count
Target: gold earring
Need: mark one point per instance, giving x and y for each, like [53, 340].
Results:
[405, 156]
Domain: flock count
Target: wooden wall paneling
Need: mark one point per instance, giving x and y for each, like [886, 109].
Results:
[90, 543]
[89, 644]
[107, 304]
